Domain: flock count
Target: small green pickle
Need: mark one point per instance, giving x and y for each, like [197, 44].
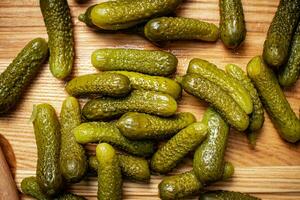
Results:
[179, 28]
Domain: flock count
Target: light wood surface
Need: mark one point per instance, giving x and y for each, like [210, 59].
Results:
[8, 189]
[271, 171]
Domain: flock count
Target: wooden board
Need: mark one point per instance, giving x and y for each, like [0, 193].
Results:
[271, 171]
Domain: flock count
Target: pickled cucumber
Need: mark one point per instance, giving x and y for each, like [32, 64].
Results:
[48, 139]
[228, 171]
[232, 23]
[19, 74]
[107, 84]
[73, 161]
[138, 101]
[280, 33]
[110, 178]
[257, 116]
[134, 168]
[116, 15]
[230, 85]
[30, 187]
[204, 89]
[170, 154]
[208, 163]
[144, 126]
[186, 184]
[289, 74]
[154, 83]
[274, 100]
[226, 195]
[152, 62]
[180, 28]
[58, 22]
[108, 132]
[179, 186]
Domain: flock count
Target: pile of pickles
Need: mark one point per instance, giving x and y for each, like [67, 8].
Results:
[131, 112]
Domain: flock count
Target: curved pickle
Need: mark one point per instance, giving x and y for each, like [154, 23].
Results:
[257, 116]
[274, 100]
[204, 89]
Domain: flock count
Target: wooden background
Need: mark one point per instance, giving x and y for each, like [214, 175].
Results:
[271, 171]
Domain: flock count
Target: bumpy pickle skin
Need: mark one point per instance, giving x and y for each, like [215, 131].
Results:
[257, 116]
[232, 23]
[48, 140]
[141, 81]
[108, 132]
[106, 84]
[132, 167]
[179, 186]
[274, 100]
[289, 73]
[138, 126]
[226, 195]
[150, 102]
[206, 90]
[110, 178]
[116, 15]
[280, 33]
[152, 62]
[73, 161]
[19, 74]
[208, 162]
[179, 28]
[170, 154]
[186, 184]
[58, 21]
[230, 85]
[30, 187]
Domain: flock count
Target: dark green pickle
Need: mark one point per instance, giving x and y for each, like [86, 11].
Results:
[289, 73]
[274, 100]
[208, 163]
[48, 140]
[58, 21]
[280, 33]
[218, 76]
[169, 155]
[19, 74]
[30, 187]
[257, 116]
[184, 185]
[204, 89]
[232, 23]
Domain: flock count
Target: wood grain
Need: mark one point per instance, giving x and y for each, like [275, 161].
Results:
[271, 171]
